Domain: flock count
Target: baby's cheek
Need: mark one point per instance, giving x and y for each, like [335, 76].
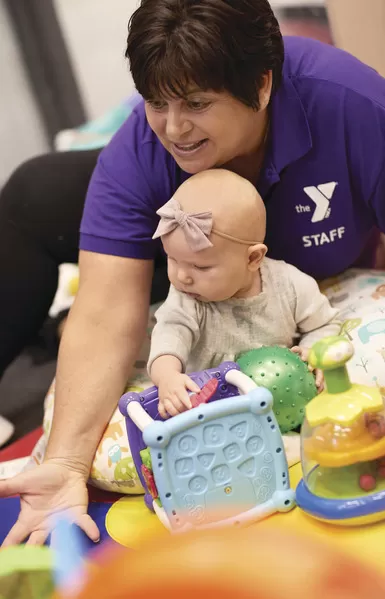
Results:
[171, 273]
[214, 281]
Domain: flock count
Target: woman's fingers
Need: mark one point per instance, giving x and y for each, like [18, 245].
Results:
[12, 486]
[87, 524]
[38, 537]
[18, 533]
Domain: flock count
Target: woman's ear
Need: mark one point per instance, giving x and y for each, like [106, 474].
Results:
[265, 90]
[256, 254]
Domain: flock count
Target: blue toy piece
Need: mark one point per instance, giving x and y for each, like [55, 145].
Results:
[221, 463]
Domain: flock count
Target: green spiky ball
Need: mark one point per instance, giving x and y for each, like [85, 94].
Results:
[288, 379]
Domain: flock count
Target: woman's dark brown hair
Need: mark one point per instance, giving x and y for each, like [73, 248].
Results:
[219, 45]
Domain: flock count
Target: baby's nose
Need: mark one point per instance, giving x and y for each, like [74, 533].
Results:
[184, 278]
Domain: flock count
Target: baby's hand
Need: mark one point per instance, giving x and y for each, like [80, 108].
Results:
[173, 396]
[303, 353]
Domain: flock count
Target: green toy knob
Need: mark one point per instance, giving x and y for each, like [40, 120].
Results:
[330, 355]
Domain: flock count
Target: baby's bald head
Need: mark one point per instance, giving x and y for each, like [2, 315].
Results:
[236, 206]
[229, 267]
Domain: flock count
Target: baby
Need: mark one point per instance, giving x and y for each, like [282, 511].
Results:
[225, 297]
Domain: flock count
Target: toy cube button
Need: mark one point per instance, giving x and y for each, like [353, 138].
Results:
[240, 429]
[188, 444]
[248, 467]
[221, 474]
[206, 393]
[198, 485]
[232, 452]
[206, 460]
[214, 435]
[255, 445]
[184, 467]
[150, 481]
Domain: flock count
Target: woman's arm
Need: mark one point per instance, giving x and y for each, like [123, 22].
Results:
[100, 342]
[102, 337]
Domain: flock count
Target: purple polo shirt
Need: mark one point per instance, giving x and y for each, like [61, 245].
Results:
[323, 179]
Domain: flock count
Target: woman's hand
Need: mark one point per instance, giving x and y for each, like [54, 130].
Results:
[48, 489]
[173, 393]
[303, 353]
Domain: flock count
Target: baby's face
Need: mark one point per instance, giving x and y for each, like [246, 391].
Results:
[212, 275]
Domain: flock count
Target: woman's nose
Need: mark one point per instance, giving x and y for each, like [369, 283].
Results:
[177, 125]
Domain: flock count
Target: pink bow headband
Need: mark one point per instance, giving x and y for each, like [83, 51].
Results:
[196, 227]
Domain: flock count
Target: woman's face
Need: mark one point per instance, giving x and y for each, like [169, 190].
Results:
[206, 129]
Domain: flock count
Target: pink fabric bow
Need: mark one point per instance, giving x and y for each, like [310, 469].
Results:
[196, 227]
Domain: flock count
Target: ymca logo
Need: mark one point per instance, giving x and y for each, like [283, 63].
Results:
[321, 196]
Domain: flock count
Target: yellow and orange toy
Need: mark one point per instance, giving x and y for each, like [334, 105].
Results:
[343, 444]
[234, 563]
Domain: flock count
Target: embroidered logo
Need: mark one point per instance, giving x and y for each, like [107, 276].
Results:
[321, 196]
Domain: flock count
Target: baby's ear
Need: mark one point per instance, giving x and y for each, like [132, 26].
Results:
[256, 254]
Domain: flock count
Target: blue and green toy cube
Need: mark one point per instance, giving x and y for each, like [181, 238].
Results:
[221, 463]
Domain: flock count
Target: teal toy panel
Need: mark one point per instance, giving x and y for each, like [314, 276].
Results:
[220, 463]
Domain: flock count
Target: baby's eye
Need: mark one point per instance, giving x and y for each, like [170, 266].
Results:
[201, 267]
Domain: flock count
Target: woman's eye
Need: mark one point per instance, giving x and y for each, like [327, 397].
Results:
[156, 104]
[196, 105]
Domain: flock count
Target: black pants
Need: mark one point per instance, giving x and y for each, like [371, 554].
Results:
[40, 211]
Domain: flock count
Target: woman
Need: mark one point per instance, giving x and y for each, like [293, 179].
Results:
[308, 132]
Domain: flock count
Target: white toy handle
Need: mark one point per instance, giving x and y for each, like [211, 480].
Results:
[240, 380]
[140, 417]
